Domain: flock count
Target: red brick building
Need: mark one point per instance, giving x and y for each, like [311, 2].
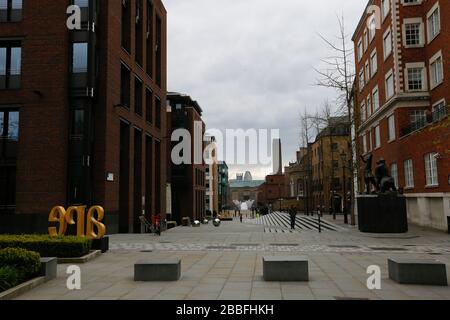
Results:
[84, 111]
[188, 179]
[273, 191]
[402, 99]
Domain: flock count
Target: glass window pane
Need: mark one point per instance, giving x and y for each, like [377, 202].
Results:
[80, 58]
[13, 125]
[16, 60]
[3, 10]
[2, 61]
[82, 3]
[16, 10]
[78, 123]
[2, 121]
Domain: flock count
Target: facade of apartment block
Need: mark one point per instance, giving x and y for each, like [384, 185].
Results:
[402, 100]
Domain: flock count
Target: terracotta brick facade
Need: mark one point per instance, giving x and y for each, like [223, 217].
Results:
[410, 128]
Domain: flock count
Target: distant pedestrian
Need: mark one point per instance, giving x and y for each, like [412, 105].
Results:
[293, 214]
[240, 217]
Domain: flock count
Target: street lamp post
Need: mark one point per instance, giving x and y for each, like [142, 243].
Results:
[344, 159]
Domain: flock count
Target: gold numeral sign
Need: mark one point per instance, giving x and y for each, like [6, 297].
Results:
[66, 217]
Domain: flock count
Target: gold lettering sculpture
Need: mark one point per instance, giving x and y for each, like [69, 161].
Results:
[64, 218]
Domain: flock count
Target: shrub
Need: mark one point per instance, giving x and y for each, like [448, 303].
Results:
[47, 246]
[9, 278]
[26, 263]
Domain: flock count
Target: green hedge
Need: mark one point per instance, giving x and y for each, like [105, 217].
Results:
[9, 278]
[47, 246]
[27, 263]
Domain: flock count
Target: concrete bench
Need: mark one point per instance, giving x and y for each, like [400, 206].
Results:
[49, 267]
[417, 271]
[157, 270]
[285, 268]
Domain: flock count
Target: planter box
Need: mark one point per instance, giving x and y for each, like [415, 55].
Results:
[49, 268]
[21, 289]
[101, 244]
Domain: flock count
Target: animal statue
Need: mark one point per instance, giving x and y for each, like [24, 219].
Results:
[384, 180]
[369, 178]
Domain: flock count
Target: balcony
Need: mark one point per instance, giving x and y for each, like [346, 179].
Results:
[438, 114]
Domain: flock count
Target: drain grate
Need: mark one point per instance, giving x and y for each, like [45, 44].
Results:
[146, 251]
[221, 248]
[350, 298]
[245, 244]
[284, 244]
[387, 249]
[344, 246]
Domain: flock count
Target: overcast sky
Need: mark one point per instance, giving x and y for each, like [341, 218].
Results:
[249, 63]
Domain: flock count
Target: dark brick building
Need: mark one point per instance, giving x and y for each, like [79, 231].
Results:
[188, 179]
[402, 101]
[84, 111]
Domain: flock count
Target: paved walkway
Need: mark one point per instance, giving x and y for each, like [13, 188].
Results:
[226, 263]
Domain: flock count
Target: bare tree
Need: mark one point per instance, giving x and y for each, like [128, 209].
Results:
[339, 74]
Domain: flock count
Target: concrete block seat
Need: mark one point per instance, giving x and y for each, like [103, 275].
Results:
[417, 271]
[285, 268]
[157, 270]
[49, 268]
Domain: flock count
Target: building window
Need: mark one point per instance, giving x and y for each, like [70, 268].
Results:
[418, 119]
[11, 10]
[409, 174]
[375, 100]
[370, 140]
[10, 65]
[394, 173]
[80, 57]
[413, 33]
[139, 32]
[366, 40]
[391, 127]
[158, 113]
[440, 111]
[363, 112]
[385, 8]
[126, 25]
[387, 44]
[367, 71]
[125, 79]
[377, 137]
[138, 96]
[360, 49]
[148, 105]
[369, 106]
[436, 70]
[361, 79]
[158, 51]
[434, 23]
[415, 80]
[389, 85]
[149, 36]
[431, 169]
[374, 62]
[364, 140]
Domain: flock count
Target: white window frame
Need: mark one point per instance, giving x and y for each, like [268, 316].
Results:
[429, 14]
[421, 32]
[408, 167]
[376, 106]
[415, 3]
[394, 173]
[377, 137]
[391, 128]
[364, 139]
[367, 72]
[363, 112]
[432, 61]
[369, 106]
[360, 49]
[384, 12]
[387, 76]
[374, 66]
[416, 65]
[386, 54]
[431, 170]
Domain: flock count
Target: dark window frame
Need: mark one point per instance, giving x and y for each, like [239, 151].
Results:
[9, 12]
[9, 45]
